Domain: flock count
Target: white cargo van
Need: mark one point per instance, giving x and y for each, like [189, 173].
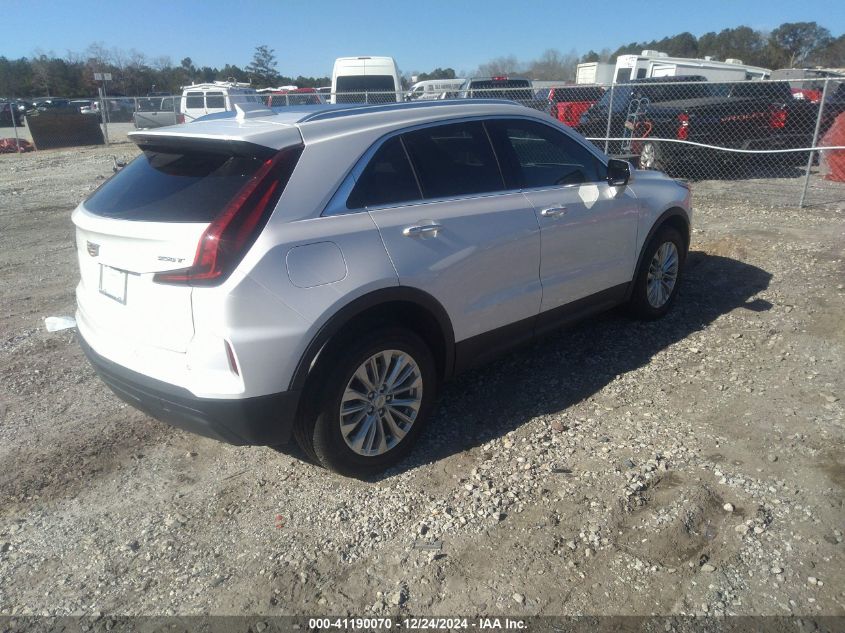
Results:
[218, 96]
[366, 80]
[432, 88]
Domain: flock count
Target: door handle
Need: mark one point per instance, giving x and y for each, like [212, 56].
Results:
[553, 212]
[418, 230]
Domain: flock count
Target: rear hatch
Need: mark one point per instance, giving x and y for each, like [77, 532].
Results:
[181, 214]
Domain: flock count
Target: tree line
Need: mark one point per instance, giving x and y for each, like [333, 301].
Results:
[792, 44]
[133, 73]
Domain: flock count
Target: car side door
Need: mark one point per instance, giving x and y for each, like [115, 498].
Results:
[588, 228]
[459, 235]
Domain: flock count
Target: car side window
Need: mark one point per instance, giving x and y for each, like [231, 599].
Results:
[540, 156]
[454, 160]
[194, 100]
[214, 100]
[387, 179]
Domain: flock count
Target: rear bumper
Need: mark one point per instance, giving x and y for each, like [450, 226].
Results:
[264, 420]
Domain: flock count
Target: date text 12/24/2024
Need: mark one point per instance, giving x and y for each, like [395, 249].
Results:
[420, 623]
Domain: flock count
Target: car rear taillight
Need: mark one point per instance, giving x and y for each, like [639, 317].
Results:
[777, 118]
[180, 118]
[683, 126]
[226, 240]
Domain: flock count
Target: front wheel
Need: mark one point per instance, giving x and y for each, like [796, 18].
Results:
[656, 283]
[372, 404]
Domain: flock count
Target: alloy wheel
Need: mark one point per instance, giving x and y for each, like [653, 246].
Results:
[381, 402]
[662, 275]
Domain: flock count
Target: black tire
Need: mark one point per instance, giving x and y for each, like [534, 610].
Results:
[639, 304]
[318, 431]
[651, 157]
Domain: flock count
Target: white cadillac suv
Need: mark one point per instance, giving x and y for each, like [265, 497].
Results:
[319, 272]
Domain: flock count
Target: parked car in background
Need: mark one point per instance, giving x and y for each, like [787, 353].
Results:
[792, 121]
[120, 110]
[568, 103]
[84, 106]
[156, 112]
[318, 275]
[53, 104]
[432, 88]
[745, 116]
[219, 96]
[298, 96]
[9, 113]
[510, 88]
[366, 79]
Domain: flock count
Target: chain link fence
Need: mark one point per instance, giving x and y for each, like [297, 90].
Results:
[772, 142]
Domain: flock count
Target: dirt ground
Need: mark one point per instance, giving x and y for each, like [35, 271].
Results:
[693, 465]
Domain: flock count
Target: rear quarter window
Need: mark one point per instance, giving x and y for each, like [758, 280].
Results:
[387, 179]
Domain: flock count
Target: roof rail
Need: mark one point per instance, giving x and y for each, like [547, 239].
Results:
[364, 108]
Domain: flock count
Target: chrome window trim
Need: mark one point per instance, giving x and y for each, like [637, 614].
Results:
[337, 203]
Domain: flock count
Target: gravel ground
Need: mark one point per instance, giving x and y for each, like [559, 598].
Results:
[689, 466]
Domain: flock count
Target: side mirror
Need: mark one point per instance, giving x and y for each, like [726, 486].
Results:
[618, 172]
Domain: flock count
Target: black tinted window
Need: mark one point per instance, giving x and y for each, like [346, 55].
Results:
[501, 89]
[454, 160]
[194, 100]
[173, 186]
[365, 89]
[387, 179]
[215, 100]
[541, 156]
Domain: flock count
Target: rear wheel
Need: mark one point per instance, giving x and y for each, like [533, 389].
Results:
[656, 283]
[371, 406]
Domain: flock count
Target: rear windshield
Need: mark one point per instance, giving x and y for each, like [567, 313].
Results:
[503, 89]
[363, 86]
[169, 185]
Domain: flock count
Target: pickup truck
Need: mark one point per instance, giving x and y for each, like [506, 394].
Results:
[750, 116]
[513, 89]
[568, 103]
[158, 112]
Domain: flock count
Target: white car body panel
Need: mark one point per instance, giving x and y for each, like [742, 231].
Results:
[484, 267]
[591, 246]
[481, 265]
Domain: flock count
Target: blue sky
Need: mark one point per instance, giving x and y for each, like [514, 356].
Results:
[308, 35]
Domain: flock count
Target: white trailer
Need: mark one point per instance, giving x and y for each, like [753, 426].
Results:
[594, 73]
[656, 64]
